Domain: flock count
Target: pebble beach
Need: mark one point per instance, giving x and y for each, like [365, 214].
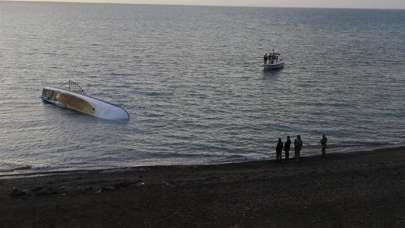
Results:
[362, 189]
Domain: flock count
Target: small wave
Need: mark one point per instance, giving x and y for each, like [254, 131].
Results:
[122, 74]
[19, 168]
[155, 94]
[50, 53]
[348, 145]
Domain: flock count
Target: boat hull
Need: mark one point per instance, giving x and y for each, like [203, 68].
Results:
[276, 66]
[84, 104]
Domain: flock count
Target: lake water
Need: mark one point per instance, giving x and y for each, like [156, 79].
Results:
[192, 81]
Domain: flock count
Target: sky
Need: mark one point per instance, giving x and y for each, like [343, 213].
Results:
[384, 4]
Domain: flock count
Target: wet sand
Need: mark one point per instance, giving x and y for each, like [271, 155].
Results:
[363, 189]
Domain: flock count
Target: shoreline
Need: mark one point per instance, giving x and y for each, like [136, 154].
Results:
[363, 189]
[12, 174]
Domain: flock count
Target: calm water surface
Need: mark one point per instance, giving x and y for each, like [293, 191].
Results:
[192, 81]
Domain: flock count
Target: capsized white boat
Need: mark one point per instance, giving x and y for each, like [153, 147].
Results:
[77, 100]
[274, 62]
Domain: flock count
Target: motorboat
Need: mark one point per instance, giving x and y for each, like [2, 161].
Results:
[273, 62]
[74, 98]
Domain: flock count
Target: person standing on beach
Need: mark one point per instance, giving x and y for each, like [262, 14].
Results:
[279, 149]
[287, 146]
[324, 142]
[265, 58]
[297, 147]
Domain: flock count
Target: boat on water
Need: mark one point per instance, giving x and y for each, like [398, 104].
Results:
[273, 61]
[75, 99]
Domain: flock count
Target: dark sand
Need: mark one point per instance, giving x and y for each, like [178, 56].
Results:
[365, 189]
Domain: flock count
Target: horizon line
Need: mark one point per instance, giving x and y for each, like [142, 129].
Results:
[191, 5]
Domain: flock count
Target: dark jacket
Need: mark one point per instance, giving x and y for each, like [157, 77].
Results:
[279, 147]
[287, 145]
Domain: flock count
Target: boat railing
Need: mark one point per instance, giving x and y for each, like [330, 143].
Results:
[75, 87]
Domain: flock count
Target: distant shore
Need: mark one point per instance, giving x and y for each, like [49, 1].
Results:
[363, 189]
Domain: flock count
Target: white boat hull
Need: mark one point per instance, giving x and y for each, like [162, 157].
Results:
[275, 66]
[84, 104]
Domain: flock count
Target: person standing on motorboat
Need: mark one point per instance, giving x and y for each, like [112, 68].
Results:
[273, 56]
[265, 57]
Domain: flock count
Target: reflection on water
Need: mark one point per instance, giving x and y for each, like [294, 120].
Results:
[271, 73]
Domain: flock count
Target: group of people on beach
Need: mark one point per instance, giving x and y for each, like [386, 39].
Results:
[270, 58]
[297, 147]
